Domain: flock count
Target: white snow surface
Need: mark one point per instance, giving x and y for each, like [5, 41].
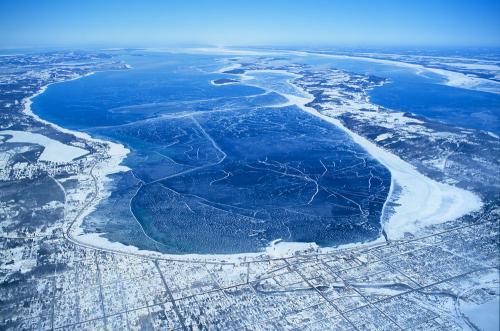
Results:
[383, 136]
[54, 150]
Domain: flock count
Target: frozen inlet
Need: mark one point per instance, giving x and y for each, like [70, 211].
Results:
[54, 151]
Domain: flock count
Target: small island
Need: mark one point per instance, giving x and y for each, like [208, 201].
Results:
[224, 81]
[236, 71]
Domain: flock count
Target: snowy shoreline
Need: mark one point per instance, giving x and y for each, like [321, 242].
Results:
[453, 78]
[422, 202]
[418, 191]
[116, 153]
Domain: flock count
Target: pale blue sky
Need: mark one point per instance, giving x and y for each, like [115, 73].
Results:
[253, 22]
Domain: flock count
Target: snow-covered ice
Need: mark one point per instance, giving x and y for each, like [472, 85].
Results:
[54, 150]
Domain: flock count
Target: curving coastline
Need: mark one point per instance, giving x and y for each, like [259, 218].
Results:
[99, 171]
[422, 201]
[453, 78]
[408, 216]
